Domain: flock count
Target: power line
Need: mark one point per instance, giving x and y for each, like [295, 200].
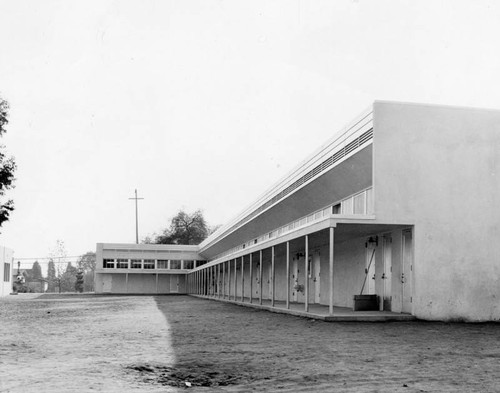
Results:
[47, 262]
[71, 256]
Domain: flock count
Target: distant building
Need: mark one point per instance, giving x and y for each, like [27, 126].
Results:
[6, 263]
[144, 268]
[403, 204]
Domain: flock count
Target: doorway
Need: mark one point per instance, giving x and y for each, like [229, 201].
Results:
[270, 279]
[370, 270]
[316, 277]
[406, 271]
[387, 273]
[106, 283]
[295, 279]
[174, 283]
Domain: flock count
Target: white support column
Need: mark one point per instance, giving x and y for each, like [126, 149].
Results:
[218, 281]
[229, 280]
[212, 286]
[235, 280]
[251, 278]
[211, 281]
[288, 275]
[242, 279]
[260, 278]
[272, 277]
[224, 280]
[306, 275]
[207, 281]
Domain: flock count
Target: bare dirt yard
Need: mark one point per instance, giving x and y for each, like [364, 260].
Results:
[85, 343]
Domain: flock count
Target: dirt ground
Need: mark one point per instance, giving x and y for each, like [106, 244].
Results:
[90, 343]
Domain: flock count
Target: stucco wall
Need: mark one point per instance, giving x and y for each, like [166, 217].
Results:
[164, 283]
[438, 167]
[348, 271]
[6, 255]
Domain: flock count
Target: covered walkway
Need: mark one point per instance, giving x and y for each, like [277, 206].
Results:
[317, 311]
[312, 271]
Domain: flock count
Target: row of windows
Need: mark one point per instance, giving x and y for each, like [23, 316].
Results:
[360, 203]
[121, 263]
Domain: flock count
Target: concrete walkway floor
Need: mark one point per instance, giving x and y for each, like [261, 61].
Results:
[316, 311]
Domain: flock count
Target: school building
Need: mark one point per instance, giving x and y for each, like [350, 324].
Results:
[396, 217]
[6, 268]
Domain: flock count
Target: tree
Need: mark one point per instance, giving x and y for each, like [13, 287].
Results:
[59, 254]
[36, 271]
[185, 229]
[51, 276]
[79, 281]
[86, 263]
[7, 167]
[68, 278]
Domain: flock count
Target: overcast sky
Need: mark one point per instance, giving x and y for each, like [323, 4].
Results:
[206, 104]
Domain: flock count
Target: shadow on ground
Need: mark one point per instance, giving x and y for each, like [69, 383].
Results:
[219, 344]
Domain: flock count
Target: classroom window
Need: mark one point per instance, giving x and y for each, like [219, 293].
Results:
[122, 263]
[108, 263]
[175, 264]
[162, 264]
[149, 264]
[359, 202]
[369, 201]
[347, 206]
[136, 264]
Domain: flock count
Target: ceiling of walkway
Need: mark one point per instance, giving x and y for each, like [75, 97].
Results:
[346, 178]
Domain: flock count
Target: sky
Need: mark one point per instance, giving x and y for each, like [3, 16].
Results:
[206, 104]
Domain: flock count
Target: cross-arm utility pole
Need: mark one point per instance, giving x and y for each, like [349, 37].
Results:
[136, 218]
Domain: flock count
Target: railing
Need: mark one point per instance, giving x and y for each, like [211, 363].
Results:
[360, 203]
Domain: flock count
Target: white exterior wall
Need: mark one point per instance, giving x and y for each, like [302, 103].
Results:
[142, 281]
[438, 167]
[6, 256]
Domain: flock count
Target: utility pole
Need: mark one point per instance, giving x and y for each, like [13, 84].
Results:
[136, 218]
